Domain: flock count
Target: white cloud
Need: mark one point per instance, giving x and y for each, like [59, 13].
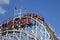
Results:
[2, 11]
[4, 2]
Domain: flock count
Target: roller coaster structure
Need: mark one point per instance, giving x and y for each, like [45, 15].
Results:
[28, 26]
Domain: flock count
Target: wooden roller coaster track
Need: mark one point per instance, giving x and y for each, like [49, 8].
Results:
[41, 20]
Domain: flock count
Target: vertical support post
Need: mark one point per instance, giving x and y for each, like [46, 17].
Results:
[20, 25]
[13, 35]
[6, 34]
[45, 30]
[27, 30]
[20, 19]
[41, 33]
[36, 29]
[27, 36]
[45, 34]
[18, 13]
[20, 36]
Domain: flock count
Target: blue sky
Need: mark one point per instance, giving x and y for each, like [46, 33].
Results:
[49, 9]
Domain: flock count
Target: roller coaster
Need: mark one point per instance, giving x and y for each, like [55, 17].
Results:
[28, 26]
